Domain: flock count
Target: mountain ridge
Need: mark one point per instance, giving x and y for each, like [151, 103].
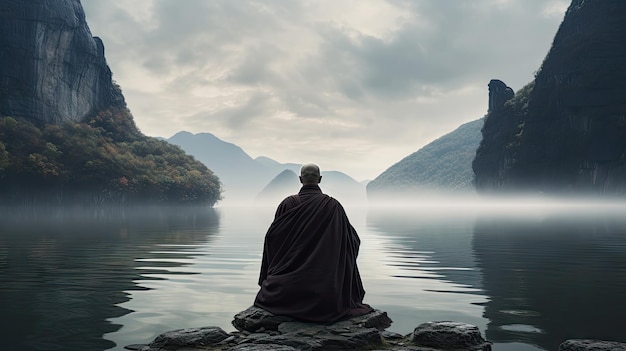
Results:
[245, 178]
[443, 165]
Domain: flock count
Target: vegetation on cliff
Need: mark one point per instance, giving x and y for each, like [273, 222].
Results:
[565, 133]
[444, 165]
[104, 160]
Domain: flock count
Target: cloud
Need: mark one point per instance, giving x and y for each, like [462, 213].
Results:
[360, 84]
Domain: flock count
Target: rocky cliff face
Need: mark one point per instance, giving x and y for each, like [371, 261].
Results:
[51, 68]
[567, 132]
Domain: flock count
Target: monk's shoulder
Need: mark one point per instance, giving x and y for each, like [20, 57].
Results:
[333, 202]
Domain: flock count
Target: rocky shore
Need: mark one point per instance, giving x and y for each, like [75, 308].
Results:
[260, 330]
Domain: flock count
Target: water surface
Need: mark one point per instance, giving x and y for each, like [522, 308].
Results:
[528, 275]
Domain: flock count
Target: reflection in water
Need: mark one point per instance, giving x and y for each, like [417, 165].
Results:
[220, 281]
[553, 278]
[97, 281]
[429, 244]
[64, 275]
[429, 271]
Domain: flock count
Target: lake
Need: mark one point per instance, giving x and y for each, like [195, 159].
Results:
[528, 274]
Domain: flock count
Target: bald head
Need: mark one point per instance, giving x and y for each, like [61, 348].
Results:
[310, 174]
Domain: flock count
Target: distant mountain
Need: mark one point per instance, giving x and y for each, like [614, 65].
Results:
[335, 184]
[443, 165]
[343, 187]
[276, 166]
[242, 177]
[246, 180]
[284, 184]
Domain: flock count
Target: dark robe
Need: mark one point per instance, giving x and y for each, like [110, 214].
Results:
[309, 269]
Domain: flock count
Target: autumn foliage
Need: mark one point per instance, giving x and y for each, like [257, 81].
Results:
[103, 161]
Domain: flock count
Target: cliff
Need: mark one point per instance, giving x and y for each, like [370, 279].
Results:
[567, 132]
[51, 68]
[66, 135]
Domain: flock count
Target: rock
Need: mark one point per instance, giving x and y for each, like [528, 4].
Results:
[377, 319]
[266, 347]
[450, 335]
[51, 68]
[254, 318]
[192, 337]
[591, 345]
[499, 94]
[263, 331]
[354, 333]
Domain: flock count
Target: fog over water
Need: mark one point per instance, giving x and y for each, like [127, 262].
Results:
[528, 271]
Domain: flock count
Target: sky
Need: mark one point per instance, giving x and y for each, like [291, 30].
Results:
[351, 85]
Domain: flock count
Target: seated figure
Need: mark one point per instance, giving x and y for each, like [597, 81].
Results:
[309, 269]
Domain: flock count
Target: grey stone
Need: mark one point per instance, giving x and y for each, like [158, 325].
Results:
[266, 347]
[591, 345]
[377, 319]
[357, 333]
[253, 319]
[449, 335]
[391, 335]
[285, 334]
[137, 347]
[339, 336]
[51, 67]
[192, 337]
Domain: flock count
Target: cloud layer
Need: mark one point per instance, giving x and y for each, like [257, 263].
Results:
[353, 86]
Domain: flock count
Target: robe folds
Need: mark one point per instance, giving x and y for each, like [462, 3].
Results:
[309, 269]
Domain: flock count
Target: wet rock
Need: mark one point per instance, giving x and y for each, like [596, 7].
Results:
[260, 330]
[355, 333]
[449, 335]
[192, 337]
[254, 319]
[267, 347]
[377, 319]
[591, 345]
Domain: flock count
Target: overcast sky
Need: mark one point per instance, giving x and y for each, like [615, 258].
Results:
[354, 86]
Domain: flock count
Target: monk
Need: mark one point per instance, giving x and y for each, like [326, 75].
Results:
[309, 269]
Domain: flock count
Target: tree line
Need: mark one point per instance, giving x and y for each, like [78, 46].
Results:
[104, 160]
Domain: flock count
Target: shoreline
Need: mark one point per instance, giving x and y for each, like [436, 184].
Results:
[259, 330]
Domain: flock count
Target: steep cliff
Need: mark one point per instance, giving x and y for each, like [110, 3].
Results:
[568, 132]
[51, 68]
[66, 135]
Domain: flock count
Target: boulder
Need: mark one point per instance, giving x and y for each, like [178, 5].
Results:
[254, 318]
[267, 347]
[192, 337]
[450, 336]
[591, 345]
[260, 330]
[358, 332]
